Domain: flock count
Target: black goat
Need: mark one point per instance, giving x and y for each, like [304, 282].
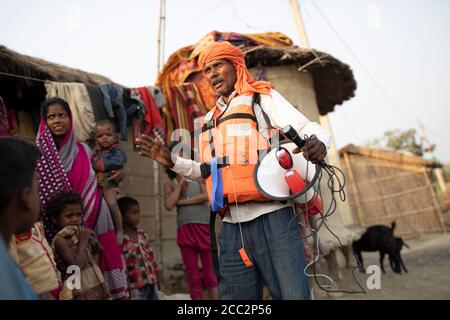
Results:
[376, 238]
[395, 259]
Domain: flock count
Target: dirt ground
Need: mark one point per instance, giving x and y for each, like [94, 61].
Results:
[428, 263]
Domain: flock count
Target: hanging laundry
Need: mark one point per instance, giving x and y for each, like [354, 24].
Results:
[113, 102]
[77, 97]
[135, 110]
[4, 125]
[97, 102]
[186, 105]
[153, 122]
[26, 126]
[12, 122]
[158, 96]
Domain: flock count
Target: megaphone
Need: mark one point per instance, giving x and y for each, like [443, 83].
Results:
[284, 175]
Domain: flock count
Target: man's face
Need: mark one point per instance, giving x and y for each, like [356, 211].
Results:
[222, 76]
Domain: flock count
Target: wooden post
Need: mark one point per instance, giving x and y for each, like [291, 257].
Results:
[435, 202]
[299, 24]
[352, 184]
[156, 170]
[344, 208]
[440, 179]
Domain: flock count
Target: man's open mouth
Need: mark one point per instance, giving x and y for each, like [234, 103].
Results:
[217, 84]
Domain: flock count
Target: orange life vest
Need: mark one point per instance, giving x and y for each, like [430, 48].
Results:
[233, 137]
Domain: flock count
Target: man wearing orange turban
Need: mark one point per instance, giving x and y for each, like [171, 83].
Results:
[260, 242]
[224, 50]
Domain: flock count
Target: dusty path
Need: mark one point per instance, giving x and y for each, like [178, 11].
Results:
[428, 263]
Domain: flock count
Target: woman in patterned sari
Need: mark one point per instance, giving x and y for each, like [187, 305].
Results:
[65, 164]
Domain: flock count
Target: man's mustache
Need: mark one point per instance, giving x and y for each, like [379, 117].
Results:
[216, 81]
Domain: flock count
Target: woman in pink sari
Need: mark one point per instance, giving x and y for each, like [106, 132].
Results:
[65, 164]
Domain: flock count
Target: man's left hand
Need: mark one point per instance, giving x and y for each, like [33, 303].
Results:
[314, 150]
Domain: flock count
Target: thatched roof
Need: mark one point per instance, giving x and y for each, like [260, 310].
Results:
[16, 63]
[392, 156]
[334, 82]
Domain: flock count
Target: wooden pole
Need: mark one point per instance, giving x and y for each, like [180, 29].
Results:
[435, 203]
[299, 24]
[440, 179]
[332, 154]
[156, 170]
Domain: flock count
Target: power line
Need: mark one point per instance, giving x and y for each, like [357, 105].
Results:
[305, 9]
[240, 18]
[372, 78]
[354, 132]
[21, 77]
[178, 32]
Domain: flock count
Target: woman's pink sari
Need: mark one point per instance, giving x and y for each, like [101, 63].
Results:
[70, 167]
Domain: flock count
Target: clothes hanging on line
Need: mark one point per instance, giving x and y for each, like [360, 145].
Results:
[135, 110]
[158, 96]
[186, 106]
[153, 123]
[113, 103]
[97, 102]
[4, 124]
[90, 104]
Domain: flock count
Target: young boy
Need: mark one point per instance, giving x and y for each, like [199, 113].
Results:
[108, 157]
[140, 260]
[33, 254]
[19, 210]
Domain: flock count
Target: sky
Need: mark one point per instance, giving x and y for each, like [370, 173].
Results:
[397, 49]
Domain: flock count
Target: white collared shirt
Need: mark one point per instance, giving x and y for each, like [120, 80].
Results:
[281, 113]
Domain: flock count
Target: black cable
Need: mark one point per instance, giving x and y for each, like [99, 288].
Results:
[336, 178]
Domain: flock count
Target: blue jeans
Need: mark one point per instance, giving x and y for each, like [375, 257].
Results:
[274, 246]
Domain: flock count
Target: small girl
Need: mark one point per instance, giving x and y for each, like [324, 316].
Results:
[75, 245]
[108, 157]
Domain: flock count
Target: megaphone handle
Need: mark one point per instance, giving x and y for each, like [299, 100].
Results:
[292, 135]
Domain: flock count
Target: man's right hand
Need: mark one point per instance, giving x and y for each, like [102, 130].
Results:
[154, 150]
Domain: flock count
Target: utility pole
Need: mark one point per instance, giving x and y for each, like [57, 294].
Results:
[156, 169]
[332, 154]
[299, 24]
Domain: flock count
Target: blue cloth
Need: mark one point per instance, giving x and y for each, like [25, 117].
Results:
[273, 244]
[217, 187]
[13, 284]
[114, 159]
[113, 101]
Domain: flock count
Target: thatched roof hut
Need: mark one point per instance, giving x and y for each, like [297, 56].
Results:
[20, 64]
[27, 94]
[387, 185]
[333, 80]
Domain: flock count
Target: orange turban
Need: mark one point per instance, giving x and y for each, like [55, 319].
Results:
[224, 50]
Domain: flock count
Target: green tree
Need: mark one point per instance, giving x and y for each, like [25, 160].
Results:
[407, 140]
